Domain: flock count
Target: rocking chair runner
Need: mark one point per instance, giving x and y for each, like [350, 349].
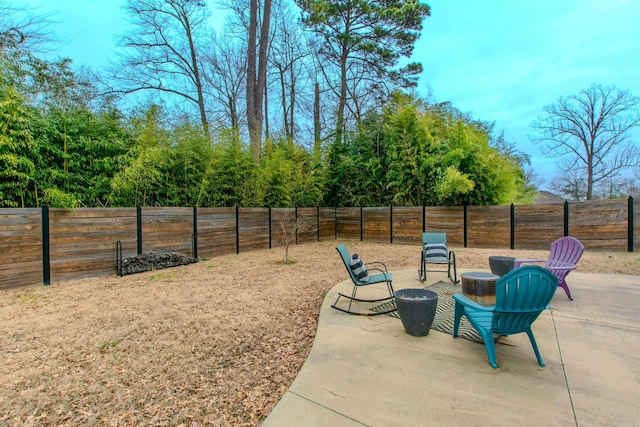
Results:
[382, 276]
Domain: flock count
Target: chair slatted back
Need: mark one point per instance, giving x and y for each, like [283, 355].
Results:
[521, 295]
[346, 257]
[565, 251]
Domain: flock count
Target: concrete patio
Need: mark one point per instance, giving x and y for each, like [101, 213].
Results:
[369, 371]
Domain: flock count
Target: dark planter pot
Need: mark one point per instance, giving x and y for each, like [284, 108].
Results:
[417, 309]
[501, 265]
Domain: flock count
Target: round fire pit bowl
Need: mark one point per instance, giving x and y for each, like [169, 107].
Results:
[501, 265]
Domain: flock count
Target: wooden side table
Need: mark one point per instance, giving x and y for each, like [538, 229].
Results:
[480, 287]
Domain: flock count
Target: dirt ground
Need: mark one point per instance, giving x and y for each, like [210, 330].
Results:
[214, 343]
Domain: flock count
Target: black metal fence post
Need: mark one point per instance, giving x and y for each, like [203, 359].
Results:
[630, 226]
[465, 231]
[318, 221]
[119, 269]
[391, 223]
[270, 228]
[139, 228]
[237, 230]
[513, 226]
[361, 224]
[194, 239]
[424, 218]
[566, 218]
[46, 248]
[335, 223]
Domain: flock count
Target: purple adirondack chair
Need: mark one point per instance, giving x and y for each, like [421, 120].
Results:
[565, 253]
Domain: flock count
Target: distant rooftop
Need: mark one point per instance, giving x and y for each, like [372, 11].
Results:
[546, 197]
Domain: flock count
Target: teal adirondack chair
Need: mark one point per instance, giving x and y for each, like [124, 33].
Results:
[521, 295]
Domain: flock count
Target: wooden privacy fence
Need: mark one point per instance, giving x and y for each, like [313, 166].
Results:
[45, 245]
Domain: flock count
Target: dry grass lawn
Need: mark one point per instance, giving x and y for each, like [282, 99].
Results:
[213, 343]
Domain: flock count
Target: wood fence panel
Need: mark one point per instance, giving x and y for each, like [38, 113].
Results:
[348, 223]
[283, 227]
[489, 226]
[216, 231]
[446, 219]
[536, 226]
[307, 225]
[20, 247]
[83, 241]
[407, 225]
[327, 224]
[167, 230]
[254, 229]
[600, 224]
[376, 224]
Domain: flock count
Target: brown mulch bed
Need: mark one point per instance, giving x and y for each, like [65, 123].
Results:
[213, 343]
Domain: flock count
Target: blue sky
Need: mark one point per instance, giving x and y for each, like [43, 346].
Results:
[504, 60]
[498, 60]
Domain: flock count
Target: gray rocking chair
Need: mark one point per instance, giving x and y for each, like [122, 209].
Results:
[436, 251]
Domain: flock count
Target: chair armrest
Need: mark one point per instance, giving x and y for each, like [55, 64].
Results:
[561, 267]
[469, 303]
[369, 270]
[517, 263]
[377, 263]
[379, 277]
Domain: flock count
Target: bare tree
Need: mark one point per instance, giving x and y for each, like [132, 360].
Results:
[225, 75]
[21, 28]
[288, 74]
[531, 177]
[570, 183]
[163, 51]
[588, 132]
[257, 71]
[287, 229]
[288, 52]
[629, 187]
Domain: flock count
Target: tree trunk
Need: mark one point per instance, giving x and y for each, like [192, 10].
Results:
[590, 176]
[317, 143]
[342, 102]
[198, 81]
[235, 121]
[257, 76]
[292, 93]
[266, 114]
[262, 61]
[283, 91]
[255, 130]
